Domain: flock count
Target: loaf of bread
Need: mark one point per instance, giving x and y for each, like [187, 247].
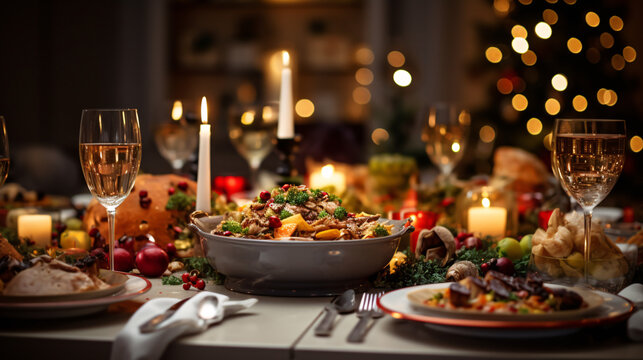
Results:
[525, 171]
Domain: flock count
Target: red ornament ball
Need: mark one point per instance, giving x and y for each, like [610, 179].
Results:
[152, 261]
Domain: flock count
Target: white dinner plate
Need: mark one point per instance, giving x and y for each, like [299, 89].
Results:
[133, 287]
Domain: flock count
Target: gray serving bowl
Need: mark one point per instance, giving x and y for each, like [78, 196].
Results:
[292, 267]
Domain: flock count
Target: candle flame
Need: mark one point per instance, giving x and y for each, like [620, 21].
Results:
[285, 58]
[177, 110]
[327, 170]
[204, 110]
[486, 203]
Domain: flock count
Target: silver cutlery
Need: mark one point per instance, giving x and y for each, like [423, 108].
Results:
[152, 324]
[367, 310]
[343, 304]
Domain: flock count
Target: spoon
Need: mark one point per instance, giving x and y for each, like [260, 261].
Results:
[343, 304]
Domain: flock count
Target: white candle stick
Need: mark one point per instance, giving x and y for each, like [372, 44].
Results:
[204, 182]
[487, 220]
[35, 227]
[285, 127]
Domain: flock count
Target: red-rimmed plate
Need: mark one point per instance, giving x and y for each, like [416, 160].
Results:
[133, 287]
[613, 309]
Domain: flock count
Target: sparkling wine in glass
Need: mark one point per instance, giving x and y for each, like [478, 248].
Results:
[176, 141]
[588, 156]
[110, 155]
[4, 152]
[445, 133]
[251, 130]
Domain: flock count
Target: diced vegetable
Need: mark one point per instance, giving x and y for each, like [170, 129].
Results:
[302, 225]
[330, 234]
[232, 226]
[285, 230]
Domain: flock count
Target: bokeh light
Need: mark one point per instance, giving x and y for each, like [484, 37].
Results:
[616, 23]
[552, 106]
[525, 2]
[402, 78]
[636, 143]
[379, 136]
[364, 76]
[177, 110]
[529, 58]
[395, 58]
[570, 2]
[580, 103]
[547, 141]
[519, 31]
[501, 6]
[364, 56]
[304, 108]
[505, 86]
[248, 117]
[493, 54]
[519, 102]
[534, 126]
[618, 62]
[593, 55]
[600, 96]
[487, 134]
[520, 45]
[559, 82]
[607, 40]
[543, 30]
[574, 45]
[606, 97]
[455, 147]
[592, 19]
[361, 95]
[550, 16]
[629, 54]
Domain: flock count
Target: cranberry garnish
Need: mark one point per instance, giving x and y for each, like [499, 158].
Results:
[145, 203]
[194, 279]
[227, 233]
[200, 284]
[185, 277]
[187, 286]
[274, 222]
[264, 195]
[93, 232]
[171, 191]
[54, 234]
[142, 194]
[61, 228]
[484, 267]
[350, 214]
[177, 229]
[183, 185]
[324, 194]
[285, 187]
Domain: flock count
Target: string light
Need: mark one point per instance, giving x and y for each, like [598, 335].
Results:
[552, 106]
[629, 54]
[580, 103]
[600, 96]
[505, 86]
[525, 2]
[379, 136]
[520, 45]
[519, 31]
[636, 143]
[534, 126]
[493, 54]
[618, 62]
[529, 58]
[616, 23]
[402, 78]
[501, 6]
[364, 76]
[559, 82]
[547, 141]
[395, 59]
[592, 19]
[543, 30]
[570, 2]
[304, 108]
[550, 16]
[487, 134]
[364, 56]
[574, 45]
[361, 95]
[519, 102]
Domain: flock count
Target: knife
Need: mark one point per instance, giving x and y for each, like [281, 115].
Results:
[151, 325]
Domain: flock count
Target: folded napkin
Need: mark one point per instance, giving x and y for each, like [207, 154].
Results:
[634, 293]
[132, 344]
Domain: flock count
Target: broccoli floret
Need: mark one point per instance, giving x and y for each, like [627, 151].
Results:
[322, 214]
[284, 214]
[316, 192]
[280, 199]
[333, 197]
[297, 197]
[340, 213]
[380, 230]
[232, 226]
[244, 231]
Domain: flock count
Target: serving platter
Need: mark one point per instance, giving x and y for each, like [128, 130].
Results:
[65, 307]
[612, 309]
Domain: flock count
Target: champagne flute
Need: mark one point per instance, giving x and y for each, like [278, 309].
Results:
[110, 155]
[4, 152]
[251, 129]
[445, 133]
[588, 156]
[176, 142]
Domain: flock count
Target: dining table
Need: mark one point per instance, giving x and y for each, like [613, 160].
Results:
[283, 328]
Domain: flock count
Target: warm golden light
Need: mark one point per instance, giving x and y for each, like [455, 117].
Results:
[379, 136]
[285, 58]
[519, 31]
[592, 19]
[327, 171]
[547, 141]
[177, 110]
[519, 102]
[601, 96]
[579, 103]
[520, 45]
[529, 58]
[525, 2]
[607, 40]
[618, 62]
[610, 97]
[629, 54]
[552, 106]
[364, 56]
[636, 143]
[493, 54]
[204, 110]
[248, 117]
[550, 16]
[574, 45]
[246, 93]
[455, 147]
[534, 126]
[364, 76]
[616, 23]
[361, 95]
[268, 115]
[501, 6]
[505, 86]
[304, 108]
[395, 58]
[570, 2]
[543, 30]
[559, 82]
[487, 134]
[402, 78]
[485, 202]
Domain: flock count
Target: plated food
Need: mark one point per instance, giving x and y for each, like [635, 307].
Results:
[299, 213]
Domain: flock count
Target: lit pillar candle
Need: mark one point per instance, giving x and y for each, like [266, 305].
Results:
[35, 227]
[487, 220]
[75, 239]
[286, 127]
[327, 176]
[204, 183]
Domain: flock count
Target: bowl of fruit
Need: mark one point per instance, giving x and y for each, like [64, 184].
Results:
[295, 241]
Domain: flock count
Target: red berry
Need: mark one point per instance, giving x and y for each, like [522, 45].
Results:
[350, 214]
[93, 232]
[185, 277]
[170, 249]
[183, 185]
[171, 191]
[61, 228]
[285, 187]
[274, 222]
[194, 279]
[484, 267]
[227, 233]
[187, 286]
[177, 229]
[264, 195]
[142, 194]
[145, 202]
[54, 235]
[324, 194]
[270, 201]
[200, 284]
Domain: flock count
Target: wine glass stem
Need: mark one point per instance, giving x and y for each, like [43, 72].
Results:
[111, 221]
[253, 177]
[588, 242]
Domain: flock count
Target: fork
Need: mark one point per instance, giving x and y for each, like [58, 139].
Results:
[366, 311]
